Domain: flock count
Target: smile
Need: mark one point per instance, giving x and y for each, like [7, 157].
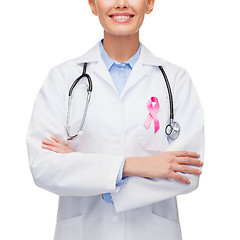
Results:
[121, 18]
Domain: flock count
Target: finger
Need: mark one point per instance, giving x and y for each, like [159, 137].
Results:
[53, 148]
[186, 154]
[58, 140]
[189, 161]
[187, 169]
[48, 142]
[179, 178]
[52, 143]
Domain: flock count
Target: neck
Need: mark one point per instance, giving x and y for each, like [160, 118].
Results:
[121, 48]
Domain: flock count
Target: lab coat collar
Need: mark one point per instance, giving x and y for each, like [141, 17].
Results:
[138, 72]
[146, 56]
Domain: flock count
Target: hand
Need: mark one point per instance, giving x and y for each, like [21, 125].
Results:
[164, 165]
[56, 145]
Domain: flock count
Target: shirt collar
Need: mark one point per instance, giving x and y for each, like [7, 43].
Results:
[146, 57]
[109, 61]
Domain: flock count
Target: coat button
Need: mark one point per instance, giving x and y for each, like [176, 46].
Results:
[115, 219]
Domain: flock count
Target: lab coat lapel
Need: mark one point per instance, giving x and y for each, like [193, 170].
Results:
[139, 71]
[135, 76]
[93, 55]
[103, 73]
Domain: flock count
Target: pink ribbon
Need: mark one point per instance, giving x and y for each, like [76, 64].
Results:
[152, 113]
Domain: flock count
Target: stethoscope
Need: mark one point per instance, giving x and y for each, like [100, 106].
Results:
[172, 130]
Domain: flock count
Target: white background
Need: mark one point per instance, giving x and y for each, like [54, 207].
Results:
[201, 36]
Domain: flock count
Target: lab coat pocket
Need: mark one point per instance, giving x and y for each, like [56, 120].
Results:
[69, 229]
[149, 140]
[165, 229]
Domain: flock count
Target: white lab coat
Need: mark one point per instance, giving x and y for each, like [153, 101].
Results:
[142, 209]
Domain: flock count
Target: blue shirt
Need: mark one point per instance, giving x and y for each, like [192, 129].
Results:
[119, 73]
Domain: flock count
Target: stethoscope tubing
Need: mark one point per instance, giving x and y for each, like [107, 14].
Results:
[172, 130]
[169, 93]
[84, 74]
[70, 95]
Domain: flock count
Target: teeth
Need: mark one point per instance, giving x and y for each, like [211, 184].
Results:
[121, 17]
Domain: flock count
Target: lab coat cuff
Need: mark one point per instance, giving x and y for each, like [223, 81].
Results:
[120, 180]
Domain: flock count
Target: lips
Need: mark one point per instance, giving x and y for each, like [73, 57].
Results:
[121, 17]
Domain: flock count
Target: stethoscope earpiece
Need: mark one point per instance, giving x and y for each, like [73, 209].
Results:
[79, 134]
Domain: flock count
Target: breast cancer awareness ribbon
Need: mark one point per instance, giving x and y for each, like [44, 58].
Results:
[152, 113]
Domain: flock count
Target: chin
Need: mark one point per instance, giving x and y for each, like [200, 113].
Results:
[120, 32]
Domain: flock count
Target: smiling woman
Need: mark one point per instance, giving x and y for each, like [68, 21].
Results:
[109, 12]
[121, 21]
[119, 178]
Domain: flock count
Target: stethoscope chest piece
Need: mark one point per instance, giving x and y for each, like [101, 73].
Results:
[173, 130]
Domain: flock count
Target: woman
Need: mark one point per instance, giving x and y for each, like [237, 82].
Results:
[120, 178]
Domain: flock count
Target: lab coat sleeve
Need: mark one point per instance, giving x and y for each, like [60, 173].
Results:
[73, 174]
[139, 192]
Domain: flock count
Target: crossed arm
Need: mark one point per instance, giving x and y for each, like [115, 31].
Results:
[163, 165]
